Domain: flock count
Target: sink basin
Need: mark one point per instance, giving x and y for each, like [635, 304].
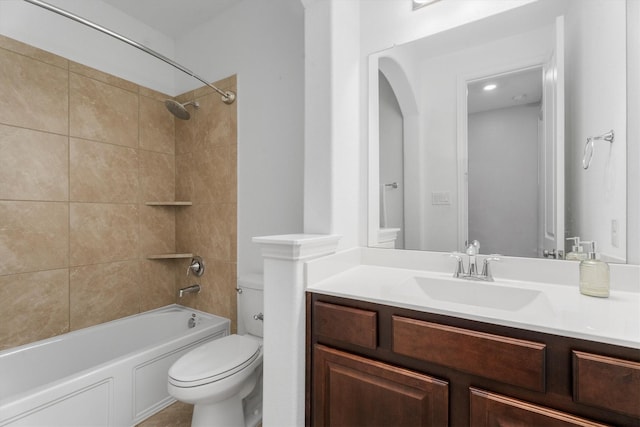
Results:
[481, 294]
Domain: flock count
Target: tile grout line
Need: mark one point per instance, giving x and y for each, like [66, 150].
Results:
[69, 196]
[140, 201]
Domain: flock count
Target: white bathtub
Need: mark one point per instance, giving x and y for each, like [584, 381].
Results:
[113, 374]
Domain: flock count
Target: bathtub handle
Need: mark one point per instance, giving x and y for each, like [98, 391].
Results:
[258, 316]
[196, 267]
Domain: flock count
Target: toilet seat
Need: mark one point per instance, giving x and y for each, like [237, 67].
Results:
[214, 361]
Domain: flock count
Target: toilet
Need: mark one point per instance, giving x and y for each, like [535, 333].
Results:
[223, 378]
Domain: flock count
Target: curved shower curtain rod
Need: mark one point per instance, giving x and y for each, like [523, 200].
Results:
[227, 97]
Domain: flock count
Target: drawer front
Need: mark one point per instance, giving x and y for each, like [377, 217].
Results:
[606, 382]
[508, 360]
[490, 409]
[346, 324]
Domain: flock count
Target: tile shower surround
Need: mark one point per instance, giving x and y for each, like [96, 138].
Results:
[81, 151]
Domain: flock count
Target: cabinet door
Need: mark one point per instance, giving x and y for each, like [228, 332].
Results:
[606, 382]
[350, 390]
[490, 409]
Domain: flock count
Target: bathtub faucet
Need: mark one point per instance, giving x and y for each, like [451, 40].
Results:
[196, 266]
[193, 289]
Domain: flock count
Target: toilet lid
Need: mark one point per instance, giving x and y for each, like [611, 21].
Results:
[214, 361]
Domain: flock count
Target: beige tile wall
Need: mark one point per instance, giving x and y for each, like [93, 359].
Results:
[80, 153]
[206, 174]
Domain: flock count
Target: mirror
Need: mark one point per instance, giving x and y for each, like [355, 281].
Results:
[458, 163]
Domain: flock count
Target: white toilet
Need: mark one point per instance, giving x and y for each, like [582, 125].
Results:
[223, 378]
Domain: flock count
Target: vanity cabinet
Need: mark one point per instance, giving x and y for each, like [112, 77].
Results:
[372, 364]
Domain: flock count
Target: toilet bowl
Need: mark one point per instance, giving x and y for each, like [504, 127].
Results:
[223, 378]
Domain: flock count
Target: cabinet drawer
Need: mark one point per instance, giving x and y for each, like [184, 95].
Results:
[508, 360]
[606, 382]
[347, 324]
[490, 409]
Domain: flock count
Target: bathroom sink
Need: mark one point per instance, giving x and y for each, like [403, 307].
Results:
[475, 293]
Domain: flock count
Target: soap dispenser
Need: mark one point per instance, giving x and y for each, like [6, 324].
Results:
[576, 250]
[594, 274]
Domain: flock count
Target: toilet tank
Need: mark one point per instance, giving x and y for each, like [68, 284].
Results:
[250, 304]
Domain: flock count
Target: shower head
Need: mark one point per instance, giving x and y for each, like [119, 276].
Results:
[178, 109]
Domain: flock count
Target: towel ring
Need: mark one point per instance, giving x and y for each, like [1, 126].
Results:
[588, 154]
[589, 147]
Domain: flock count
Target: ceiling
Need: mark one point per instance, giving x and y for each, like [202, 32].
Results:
[512, 89]
[172, 17]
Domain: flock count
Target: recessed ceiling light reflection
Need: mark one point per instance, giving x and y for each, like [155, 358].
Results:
[489, 87]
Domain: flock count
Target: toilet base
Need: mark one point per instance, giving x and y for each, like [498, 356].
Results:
[252, 405]
[228, 413]
[244, 409]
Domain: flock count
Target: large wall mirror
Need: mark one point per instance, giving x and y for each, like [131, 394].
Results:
[480, 133]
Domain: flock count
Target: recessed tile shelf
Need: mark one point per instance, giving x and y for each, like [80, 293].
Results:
[170, 256]
[169, 203]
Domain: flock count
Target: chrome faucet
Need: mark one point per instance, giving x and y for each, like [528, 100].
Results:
[486, 268]
[472, 250]
[459, 265]
[193, 289]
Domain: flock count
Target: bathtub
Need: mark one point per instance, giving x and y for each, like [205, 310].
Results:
[113, 374]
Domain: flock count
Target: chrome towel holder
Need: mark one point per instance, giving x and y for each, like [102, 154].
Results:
[588, 147]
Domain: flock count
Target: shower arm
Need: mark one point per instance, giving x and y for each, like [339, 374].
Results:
[228, 97]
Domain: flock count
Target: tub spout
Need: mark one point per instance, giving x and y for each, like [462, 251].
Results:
[193, 289]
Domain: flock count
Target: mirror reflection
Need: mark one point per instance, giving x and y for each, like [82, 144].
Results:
[505, 143]
[483, 129]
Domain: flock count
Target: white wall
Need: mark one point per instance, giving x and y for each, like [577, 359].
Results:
[263, 43]
[503, 180]
[335, 195]
[598, 195]
[389, 23]
[54, 33]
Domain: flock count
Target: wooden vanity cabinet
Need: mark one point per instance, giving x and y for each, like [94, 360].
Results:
[370, 364]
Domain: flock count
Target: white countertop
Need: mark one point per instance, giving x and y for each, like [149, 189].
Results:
[558, 309]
